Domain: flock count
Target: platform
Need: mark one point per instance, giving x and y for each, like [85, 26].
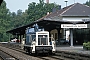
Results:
[74, 49]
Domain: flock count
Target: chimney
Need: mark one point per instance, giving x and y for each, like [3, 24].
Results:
[59, 7]
[47, 1]
[54, 9]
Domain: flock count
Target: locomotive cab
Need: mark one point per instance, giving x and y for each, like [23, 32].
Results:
[44, 43]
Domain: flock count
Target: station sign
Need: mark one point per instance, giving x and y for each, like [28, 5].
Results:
[73, 25]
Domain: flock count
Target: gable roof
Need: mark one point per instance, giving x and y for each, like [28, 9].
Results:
[76, 9]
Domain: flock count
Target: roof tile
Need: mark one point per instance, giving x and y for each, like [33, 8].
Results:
[76, 9]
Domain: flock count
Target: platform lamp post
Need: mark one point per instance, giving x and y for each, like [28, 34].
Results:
[66, 2]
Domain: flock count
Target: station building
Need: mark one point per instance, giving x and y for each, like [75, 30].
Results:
[71, 16]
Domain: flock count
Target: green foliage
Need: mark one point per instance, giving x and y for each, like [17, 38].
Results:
[4, 22]
[87, 3]
[36, 11]
[10, 20]
[86, 46]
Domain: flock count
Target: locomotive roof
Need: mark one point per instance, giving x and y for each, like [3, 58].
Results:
[31, 33]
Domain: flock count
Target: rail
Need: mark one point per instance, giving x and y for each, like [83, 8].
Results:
[65, 54]
[6, 56]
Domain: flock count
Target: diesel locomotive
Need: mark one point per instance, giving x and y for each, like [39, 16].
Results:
[38, 41]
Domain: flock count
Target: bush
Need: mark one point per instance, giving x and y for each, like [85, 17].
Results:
[86, 46]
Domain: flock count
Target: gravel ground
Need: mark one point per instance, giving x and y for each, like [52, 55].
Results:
[24, 56]
[18, 55]
[76, 49]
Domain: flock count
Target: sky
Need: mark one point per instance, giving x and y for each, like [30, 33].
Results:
[14, 5]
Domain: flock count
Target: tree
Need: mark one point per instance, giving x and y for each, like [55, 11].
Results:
[1, 2]
[4, 13]
[10, 20]
[36, 11]
[19, 18]
[87, 3]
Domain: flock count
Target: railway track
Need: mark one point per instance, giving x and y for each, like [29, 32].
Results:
[41, 57]
[60, 55]
[6, 56]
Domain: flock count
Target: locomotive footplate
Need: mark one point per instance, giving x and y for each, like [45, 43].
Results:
[43, 49]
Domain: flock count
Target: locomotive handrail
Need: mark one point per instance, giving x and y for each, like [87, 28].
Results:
[52, 38]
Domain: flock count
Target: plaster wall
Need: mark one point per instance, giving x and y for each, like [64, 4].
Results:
[74, 18]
